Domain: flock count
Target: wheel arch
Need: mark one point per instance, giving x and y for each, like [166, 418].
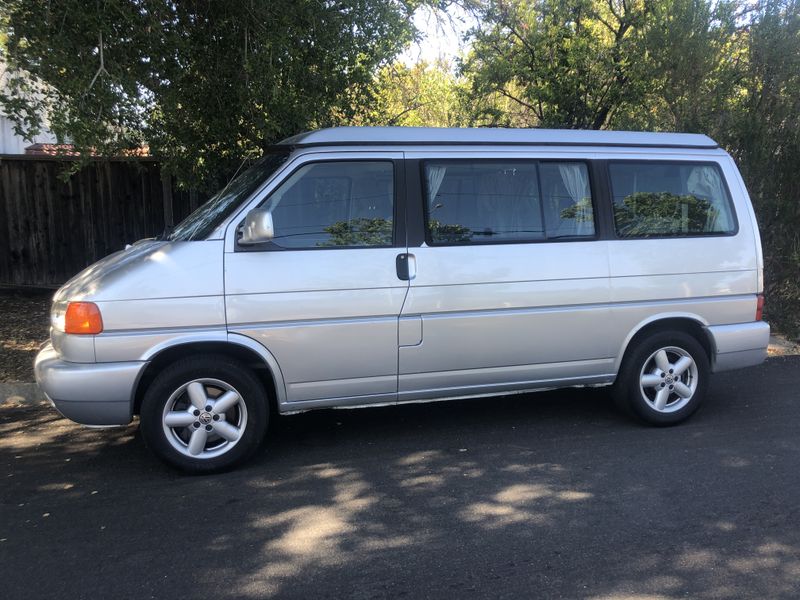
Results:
[239, 347]
[689, 323]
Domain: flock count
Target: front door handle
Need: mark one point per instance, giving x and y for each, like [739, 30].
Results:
[406, 265]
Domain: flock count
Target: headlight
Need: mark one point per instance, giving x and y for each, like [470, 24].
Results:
[57, 315]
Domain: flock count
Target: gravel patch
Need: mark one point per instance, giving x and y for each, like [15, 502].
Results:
[782, 346]
[24, 325]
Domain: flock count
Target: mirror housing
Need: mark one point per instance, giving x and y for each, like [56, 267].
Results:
[257, 227]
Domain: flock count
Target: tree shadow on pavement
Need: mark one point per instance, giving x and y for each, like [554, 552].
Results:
[545, 495]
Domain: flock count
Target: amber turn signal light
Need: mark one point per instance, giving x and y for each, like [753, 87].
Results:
[83, 318]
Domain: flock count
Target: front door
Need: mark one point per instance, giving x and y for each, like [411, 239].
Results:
[324, 296]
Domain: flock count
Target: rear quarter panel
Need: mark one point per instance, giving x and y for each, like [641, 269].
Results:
[712, 280]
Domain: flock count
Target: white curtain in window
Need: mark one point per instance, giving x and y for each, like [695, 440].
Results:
[704, 182]
[435, 175]
[576, 181]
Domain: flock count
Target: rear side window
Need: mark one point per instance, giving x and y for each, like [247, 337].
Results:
[335, 204]
[491, 201]
[665, 199]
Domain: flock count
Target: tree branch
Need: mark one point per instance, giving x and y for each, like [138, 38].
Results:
[518, 101]
[102, 69]
[394, 119]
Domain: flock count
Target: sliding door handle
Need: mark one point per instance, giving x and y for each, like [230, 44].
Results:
[406, 265]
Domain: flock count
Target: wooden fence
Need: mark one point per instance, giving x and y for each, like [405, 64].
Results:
[52, 227]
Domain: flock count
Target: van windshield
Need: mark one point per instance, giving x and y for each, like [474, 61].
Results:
[202, 222]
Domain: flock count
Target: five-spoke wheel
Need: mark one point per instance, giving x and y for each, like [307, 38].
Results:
[663, 377]
[668, 379]
[204, 414]
[204, 418]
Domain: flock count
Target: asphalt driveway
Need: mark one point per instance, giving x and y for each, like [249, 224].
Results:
[552, 495]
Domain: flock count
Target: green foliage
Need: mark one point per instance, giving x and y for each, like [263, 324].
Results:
[205, 84]
[593, 64]
[443, 233]
[764, 137]
[692, 50]
[564, 63]
[360, 232]
[646, 214]
[581, 211]
[421, 95]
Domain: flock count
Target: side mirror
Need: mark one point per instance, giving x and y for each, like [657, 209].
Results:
[257, 227]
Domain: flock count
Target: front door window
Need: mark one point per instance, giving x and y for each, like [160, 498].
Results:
[335, 204]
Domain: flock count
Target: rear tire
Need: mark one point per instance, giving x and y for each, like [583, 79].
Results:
[204, 414]
[663, 379]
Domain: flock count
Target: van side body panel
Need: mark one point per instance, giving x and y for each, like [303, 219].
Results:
[328, 317]
[505, 315]
[712, 280]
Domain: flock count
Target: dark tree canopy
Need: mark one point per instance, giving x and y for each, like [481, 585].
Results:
[204, 84]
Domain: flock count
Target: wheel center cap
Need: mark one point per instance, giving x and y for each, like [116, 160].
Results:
[669, 379]
[205, 418]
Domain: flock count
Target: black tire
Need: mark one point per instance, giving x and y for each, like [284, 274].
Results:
[205, 368]
[636, 399]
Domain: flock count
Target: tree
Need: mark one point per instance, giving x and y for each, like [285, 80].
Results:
[565, 63]
[424, 94]
[595, 64]
[693, 51]
[764, 138]
[204, 84]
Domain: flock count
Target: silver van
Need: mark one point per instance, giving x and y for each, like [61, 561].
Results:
[372, 266]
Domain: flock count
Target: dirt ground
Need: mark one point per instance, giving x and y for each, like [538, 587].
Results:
[24, 325]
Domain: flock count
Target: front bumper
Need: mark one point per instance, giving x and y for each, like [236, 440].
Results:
[88, 393]
[739, 345]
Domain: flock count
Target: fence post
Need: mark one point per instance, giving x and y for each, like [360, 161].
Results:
[166, 186]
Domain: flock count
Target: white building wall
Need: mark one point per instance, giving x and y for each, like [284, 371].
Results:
[11, 143]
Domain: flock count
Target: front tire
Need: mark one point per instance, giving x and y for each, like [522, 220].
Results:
[204, 414]
[664, 378]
